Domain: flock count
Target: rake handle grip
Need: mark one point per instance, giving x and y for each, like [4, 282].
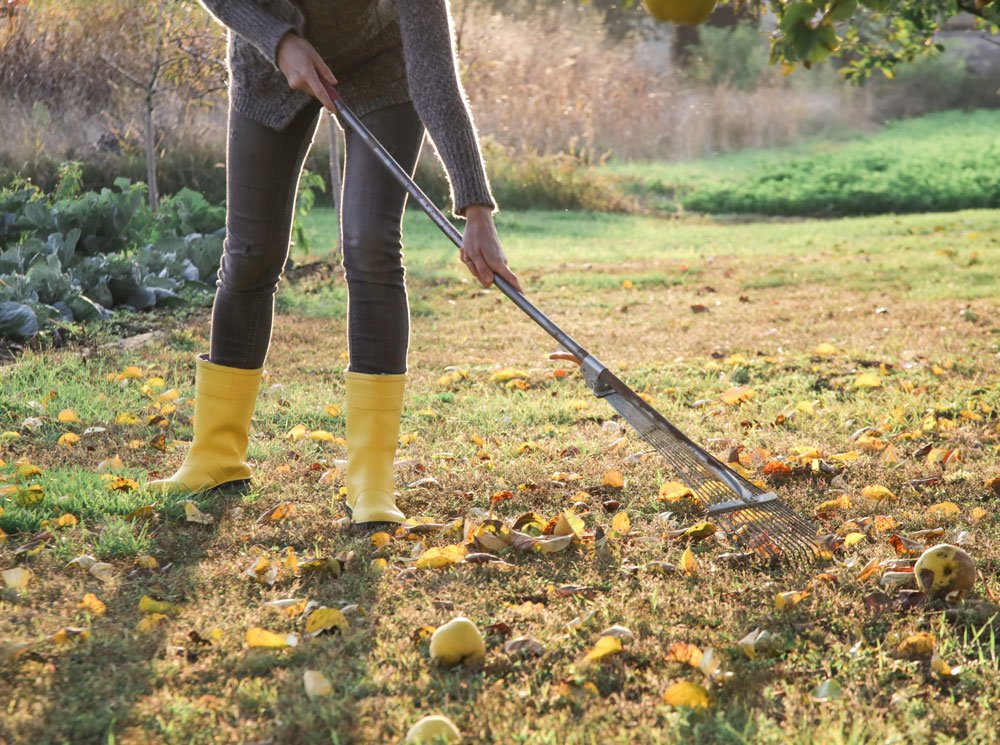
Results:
[438, 218]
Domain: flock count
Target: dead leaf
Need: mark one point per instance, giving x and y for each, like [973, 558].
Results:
[894, 580]
[614, 479]
[507, 374]
[868, 380]
[675, 491]
[905, 546]
[605, 647]
[150, 622]
[567, 523]
[103, 572]
[786, 600]
[142, 513]
[524, 647]
[92, 604]
[440, 557]
[193, 515]
[549, 545]
[941, 668]
[700, 531]
[324, 619]
[757, 643]
[16, 578]
[686, 694]
[736, 396]
[879, 493]
[150, 605]
[916, 645]
[280, 511]
[689, 654]
[942, 512]
[869, 569]
[688, 563]
[620, 524]
[257, 637]
[316, 684]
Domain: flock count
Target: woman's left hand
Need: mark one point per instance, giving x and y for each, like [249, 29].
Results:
[481, 251]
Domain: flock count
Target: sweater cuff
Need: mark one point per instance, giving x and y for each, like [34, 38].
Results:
[466, 171]
[271, 36]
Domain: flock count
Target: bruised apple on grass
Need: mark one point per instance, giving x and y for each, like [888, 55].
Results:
[944, 569]
[691, 12]
[433, 729]
[457, 641]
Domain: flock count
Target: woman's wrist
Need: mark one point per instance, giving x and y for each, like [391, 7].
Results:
[478, 212]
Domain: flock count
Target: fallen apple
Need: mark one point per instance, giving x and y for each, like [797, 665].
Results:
[691, 12]
[457, 641]
[434, 729]
[945, 569]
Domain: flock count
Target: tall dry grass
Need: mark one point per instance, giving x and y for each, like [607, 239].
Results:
[555, 80]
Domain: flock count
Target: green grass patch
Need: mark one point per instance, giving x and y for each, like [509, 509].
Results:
[938, 162]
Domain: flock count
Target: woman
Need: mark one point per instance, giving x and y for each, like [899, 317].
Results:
[395, 67]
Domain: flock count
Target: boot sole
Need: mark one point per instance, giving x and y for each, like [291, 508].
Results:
[370, 528]
[240, 486]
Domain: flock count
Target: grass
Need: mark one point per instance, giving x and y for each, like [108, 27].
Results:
[937, 162]
[910, 299]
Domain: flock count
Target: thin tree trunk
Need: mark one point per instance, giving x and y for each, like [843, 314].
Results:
[335, 177]
[154, 195]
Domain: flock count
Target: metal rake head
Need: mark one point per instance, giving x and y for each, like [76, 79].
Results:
[753, 519]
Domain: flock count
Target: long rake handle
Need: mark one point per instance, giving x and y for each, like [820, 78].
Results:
[591, 367]
[447, 228]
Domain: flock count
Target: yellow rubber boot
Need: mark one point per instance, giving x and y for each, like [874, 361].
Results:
[224, 401]
[374, 407]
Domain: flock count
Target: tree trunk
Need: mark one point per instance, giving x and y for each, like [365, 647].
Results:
[335, 177]
[154, 194]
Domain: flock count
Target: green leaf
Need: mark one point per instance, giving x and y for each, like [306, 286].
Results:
[17, 321]
[85, 309]
[842, 10]
[797, 14]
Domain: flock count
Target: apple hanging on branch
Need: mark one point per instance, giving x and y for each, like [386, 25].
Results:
[690, 12]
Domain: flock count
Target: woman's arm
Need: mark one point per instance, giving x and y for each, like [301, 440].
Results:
[438, 97]
[262, 29]
[432, 76]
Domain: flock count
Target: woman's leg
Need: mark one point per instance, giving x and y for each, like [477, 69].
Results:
[378, 321]
[262, 170]
[262, 176]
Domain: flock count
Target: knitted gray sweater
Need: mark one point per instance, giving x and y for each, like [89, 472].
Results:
[383, 52]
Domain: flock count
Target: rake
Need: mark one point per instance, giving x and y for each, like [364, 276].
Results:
[753, 519]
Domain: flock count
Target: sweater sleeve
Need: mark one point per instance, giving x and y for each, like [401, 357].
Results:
[255, 24]
[432, 77]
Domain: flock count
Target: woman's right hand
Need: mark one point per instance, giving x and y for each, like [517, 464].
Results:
[303, 67]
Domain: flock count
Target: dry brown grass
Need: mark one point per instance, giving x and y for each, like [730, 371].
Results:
[556, 81]
[168, 688]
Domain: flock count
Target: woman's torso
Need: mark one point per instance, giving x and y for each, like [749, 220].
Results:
[347, 33]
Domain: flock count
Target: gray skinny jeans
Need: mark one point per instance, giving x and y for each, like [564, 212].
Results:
[262, 174]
